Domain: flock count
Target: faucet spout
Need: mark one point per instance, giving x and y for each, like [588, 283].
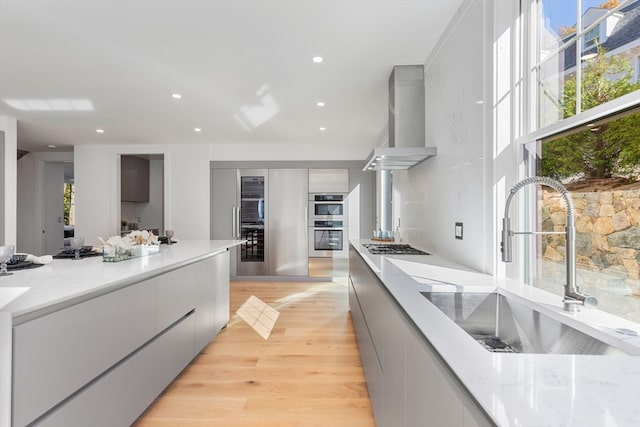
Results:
[573, 298]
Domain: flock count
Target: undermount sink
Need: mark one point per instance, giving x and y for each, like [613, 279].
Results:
[506, 325]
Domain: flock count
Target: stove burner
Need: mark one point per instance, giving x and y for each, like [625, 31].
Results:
[392, 249]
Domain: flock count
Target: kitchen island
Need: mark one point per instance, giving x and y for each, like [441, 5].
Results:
[94, 343]
[422, 367]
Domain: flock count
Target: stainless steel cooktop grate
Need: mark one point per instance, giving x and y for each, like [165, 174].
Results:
[392, 249]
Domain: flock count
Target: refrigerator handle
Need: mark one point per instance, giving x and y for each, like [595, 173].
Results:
[233, 222]
[238, 233]
[306, 217]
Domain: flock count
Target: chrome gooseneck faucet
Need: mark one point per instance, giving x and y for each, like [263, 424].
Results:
[573, 298]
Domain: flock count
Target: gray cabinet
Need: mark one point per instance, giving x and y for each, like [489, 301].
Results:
[288, 216]
[329, 180]
[134, 179]
[104, 360]
[211, 298]
[268, 208]
[223, 213]
[115, 399]
[222, 291]
[409, 385]
[57, 354]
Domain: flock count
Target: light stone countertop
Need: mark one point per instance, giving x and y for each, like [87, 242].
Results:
[31, 293]
[519, 389]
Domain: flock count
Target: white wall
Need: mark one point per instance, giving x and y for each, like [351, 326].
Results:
[186, 179]
[9, 171]
[473, 91]
[452, 186]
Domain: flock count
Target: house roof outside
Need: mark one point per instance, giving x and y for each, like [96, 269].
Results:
[626, 32]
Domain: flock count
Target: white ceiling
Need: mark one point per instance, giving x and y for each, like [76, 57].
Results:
[243, 68]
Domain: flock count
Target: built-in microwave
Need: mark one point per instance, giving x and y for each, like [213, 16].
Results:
[327, 207]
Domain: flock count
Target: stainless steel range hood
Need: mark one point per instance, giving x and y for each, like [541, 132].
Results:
[406, 146]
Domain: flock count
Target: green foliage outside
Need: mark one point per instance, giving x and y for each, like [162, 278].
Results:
[611, 149]
[68, 190]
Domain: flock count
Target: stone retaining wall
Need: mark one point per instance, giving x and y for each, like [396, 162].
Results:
[608, 232]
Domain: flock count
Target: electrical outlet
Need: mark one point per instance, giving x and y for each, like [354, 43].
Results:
[459, 230]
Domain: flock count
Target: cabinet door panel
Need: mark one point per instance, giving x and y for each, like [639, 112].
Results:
[57, 354]
[328, 180]
[175, 296]
[288, 220]
[221, 311]
[393, 366]
[205, 302]
[119, 397]
[223, 208]
[370, 363]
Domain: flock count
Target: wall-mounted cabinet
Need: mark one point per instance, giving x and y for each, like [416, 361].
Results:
[329, 180]
[134, 179]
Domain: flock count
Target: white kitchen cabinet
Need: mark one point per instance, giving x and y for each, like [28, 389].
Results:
[409, 385]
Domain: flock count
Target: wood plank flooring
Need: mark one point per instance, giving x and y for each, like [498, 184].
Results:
[306, 374]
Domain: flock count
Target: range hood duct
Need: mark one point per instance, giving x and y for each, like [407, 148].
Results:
[406, 146]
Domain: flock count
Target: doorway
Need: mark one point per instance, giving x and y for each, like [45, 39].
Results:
[142, 193]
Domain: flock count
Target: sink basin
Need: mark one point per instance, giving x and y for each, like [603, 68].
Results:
[507, 325]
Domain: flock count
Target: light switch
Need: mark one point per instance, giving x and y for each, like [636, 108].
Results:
[459, 230]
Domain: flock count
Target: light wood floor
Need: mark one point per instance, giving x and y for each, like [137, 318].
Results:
[306, 374]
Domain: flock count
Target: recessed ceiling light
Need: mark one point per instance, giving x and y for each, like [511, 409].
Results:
[320, 104]
[100, 130]
[317, 59]
[176, 95]
[197, 130]
[51, 146]
[322, 128]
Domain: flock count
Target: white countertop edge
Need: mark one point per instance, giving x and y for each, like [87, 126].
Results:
[517, 389]
[65, 282]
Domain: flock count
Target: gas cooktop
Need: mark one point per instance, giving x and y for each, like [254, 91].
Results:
[392, 249]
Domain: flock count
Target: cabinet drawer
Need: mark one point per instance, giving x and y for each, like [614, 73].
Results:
[175, 296]
[57, 354]
[119, 397]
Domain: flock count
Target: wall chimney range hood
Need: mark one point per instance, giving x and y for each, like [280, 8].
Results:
[406, 147]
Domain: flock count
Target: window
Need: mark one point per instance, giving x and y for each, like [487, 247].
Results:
[565, 58]
[597, 157]
[591, 38]
[600, 166]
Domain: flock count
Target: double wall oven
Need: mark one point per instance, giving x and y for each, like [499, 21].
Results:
[328, 233]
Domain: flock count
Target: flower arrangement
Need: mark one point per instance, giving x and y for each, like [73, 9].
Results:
[119, 248]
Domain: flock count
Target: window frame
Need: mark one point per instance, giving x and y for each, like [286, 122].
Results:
[527, 144]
